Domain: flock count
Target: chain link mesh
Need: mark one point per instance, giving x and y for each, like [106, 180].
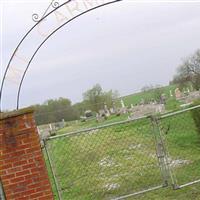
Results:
[182, 139]
[107, 162]
[124, 159]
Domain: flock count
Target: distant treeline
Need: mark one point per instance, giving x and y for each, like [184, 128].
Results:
[55, 111]
[60, 109]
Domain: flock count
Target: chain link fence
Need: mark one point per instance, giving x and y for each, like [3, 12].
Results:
[124, 159]
[182, 140]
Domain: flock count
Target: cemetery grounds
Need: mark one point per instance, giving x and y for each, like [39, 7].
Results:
[120, 159]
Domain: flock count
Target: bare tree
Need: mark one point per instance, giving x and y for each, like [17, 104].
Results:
[189, 71]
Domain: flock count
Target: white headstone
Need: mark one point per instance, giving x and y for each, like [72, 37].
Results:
[122, 103]
[106, 110]
[171, 95]
[178, 93]
[105, 107]
[50, 127]
[112, 111]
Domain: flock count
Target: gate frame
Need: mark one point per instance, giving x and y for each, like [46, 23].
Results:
[156, 137]
[175, 184]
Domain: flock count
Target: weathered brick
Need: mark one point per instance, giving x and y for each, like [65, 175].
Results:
[22, 167]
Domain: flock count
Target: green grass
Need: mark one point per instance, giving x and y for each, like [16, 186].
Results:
[172, 104]
[87, 166]
[78, 125]
[187, 193]
[136, 98]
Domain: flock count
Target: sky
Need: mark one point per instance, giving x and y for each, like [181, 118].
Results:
[123, 46]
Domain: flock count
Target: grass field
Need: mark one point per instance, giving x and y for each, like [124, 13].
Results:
[136, 98]
[118, 160]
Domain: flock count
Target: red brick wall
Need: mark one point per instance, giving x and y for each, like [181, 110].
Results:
[22, 167]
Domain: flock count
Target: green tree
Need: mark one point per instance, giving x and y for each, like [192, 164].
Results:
[55, 111]
[81, 107]
[95, 98]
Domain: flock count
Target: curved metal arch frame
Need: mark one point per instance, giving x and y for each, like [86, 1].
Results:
[21, 41]
[41, 44]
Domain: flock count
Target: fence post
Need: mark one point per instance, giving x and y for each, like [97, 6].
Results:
[2, 194]
[161, 151]
[52, 170]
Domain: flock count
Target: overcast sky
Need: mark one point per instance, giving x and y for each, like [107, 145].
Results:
[124, 47]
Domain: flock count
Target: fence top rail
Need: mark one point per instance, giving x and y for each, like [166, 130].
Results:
[70, 134]
[178, 112]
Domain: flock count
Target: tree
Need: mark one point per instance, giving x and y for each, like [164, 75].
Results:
[95, 98]
[55, 111]
[81, 107]
[189, 72]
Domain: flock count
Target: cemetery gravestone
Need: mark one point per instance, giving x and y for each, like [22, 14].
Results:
[171, 95]
[178, 93]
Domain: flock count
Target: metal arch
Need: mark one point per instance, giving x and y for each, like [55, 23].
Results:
[8, 66]
[25, 72]
[45, 16]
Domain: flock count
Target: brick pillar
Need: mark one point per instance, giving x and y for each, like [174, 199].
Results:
[22, 167]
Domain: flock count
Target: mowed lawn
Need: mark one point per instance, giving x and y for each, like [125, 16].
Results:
[148, 95]
[118, 160]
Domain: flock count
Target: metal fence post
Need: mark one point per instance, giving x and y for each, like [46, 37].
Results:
[2, 194]
[52, 171]
[161, 151]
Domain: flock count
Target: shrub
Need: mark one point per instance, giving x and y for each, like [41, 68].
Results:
[196, 115]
